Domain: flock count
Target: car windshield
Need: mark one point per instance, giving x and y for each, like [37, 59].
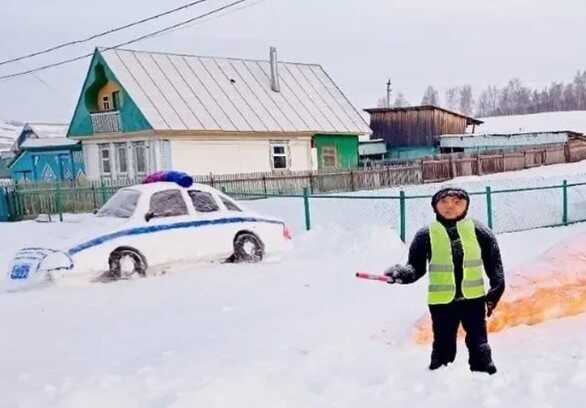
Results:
[120, 205]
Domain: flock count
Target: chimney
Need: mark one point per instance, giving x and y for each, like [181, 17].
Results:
[274, 70]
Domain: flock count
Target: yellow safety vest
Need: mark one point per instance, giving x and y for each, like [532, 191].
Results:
[442, 281]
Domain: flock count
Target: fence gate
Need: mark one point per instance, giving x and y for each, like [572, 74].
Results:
[4, 214]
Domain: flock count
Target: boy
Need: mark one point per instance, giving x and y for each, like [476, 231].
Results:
[457, 249]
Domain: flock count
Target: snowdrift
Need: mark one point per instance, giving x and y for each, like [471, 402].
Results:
[551, 287]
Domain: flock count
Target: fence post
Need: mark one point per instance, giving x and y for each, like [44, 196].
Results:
[58, 202]
[306, 205]
[103, 191]
[402, 205]
[311, 182]
[264, 184]
[4, 213]
[94, 197]
[489, 206]
[352, 187]
[565, 202]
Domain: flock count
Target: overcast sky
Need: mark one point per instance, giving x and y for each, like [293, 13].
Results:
[360, 43]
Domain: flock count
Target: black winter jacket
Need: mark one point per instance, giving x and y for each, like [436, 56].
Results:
[420, 255]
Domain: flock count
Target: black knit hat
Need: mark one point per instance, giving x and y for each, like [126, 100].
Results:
[449, 191]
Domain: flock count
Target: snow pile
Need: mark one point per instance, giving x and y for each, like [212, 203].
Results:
[536, 122]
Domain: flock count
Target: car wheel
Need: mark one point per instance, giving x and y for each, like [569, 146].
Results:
[248, 248]
[126, 263]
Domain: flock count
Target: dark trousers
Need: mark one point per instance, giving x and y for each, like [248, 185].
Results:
[446, 320]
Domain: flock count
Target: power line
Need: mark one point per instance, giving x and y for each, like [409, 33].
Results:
[102, 34]
[135, 40]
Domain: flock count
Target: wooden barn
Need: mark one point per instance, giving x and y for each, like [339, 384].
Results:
[416, 129]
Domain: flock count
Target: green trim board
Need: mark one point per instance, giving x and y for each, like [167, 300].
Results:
[344, 146]
[99, 74]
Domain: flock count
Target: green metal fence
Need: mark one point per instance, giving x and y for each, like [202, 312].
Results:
[404, 209]
[489, 195]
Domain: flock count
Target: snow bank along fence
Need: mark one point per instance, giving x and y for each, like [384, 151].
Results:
[519, 211]
[22, 200]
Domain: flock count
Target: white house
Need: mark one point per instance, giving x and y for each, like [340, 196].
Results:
[143, 111]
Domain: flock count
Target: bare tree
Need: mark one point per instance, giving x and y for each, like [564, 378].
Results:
[400, 101]
[488, 102]
[381, 102]
[430, 97]
[452, 98]
[466, 100]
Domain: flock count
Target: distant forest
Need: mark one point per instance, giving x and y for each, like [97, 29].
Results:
[515, 98]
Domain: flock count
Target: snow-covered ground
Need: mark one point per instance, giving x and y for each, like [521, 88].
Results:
[511, 211]
[299, 331]
[535, 122]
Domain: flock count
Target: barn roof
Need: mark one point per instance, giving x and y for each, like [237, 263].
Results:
[470, 120]
[188, 92]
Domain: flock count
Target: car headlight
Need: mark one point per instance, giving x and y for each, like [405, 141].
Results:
[35, 264]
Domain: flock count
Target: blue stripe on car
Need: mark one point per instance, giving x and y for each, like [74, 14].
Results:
[158, 228]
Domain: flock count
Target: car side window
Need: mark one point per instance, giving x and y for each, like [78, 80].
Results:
[168, 203]
[229, 204]
[203, 201]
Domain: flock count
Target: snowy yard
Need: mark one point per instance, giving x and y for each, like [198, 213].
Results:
[299, 331]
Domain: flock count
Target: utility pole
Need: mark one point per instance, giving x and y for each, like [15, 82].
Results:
[389, 90]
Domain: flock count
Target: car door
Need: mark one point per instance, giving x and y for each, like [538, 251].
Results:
[215, 233]
[166, 235]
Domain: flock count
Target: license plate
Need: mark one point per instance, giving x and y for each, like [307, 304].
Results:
[20, 271]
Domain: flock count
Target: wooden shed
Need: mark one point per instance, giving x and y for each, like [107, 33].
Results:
[417, 125]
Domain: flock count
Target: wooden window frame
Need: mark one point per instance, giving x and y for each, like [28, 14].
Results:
[285, 154]
[326, 151]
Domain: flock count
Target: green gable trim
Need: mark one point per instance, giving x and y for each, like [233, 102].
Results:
[99, 74]
[346, 149]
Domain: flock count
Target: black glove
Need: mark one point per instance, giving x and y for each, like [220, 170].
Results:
[490, 306]
[394, 274]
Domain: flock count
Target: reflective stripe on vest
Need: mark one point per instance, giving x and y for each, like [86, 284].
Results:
[442, 281]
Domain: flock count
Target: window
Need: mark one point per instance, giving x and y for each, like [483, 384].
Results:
[229, 204]
[168, 203]
[116, 100]
[121, 157]
[121, 205]
[140, 158]
[106, 103]
[203, 202]
[105, 159]
[329, 157]
[279, 153]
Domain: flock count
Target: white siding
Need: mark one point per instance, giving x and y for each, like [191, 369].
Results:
[200, 157]
[90, 157]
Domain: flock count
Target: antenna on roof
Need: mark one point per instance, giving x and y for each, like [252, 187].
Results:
[389, 90]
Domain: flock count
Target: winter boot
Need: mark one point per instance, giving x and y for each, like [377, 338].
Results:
[439, 359]
[481, 360]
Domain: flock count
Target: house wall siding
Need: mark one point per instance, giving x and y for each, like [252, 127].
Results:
[236, 156]
[346, 149]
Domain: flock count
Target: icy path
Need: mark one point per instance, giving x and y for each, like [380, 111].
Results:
[299, 332]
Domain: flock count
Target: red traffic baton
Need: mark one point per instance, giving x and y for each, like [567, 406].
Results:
[371, 276]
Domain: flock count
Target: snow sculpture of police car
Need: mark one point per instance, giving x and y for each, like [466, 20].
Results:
[166, 219]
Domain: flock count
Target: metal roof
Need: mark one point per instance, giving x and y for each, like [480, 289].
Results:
[469, 119]
[47, 130]
[187, 92]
